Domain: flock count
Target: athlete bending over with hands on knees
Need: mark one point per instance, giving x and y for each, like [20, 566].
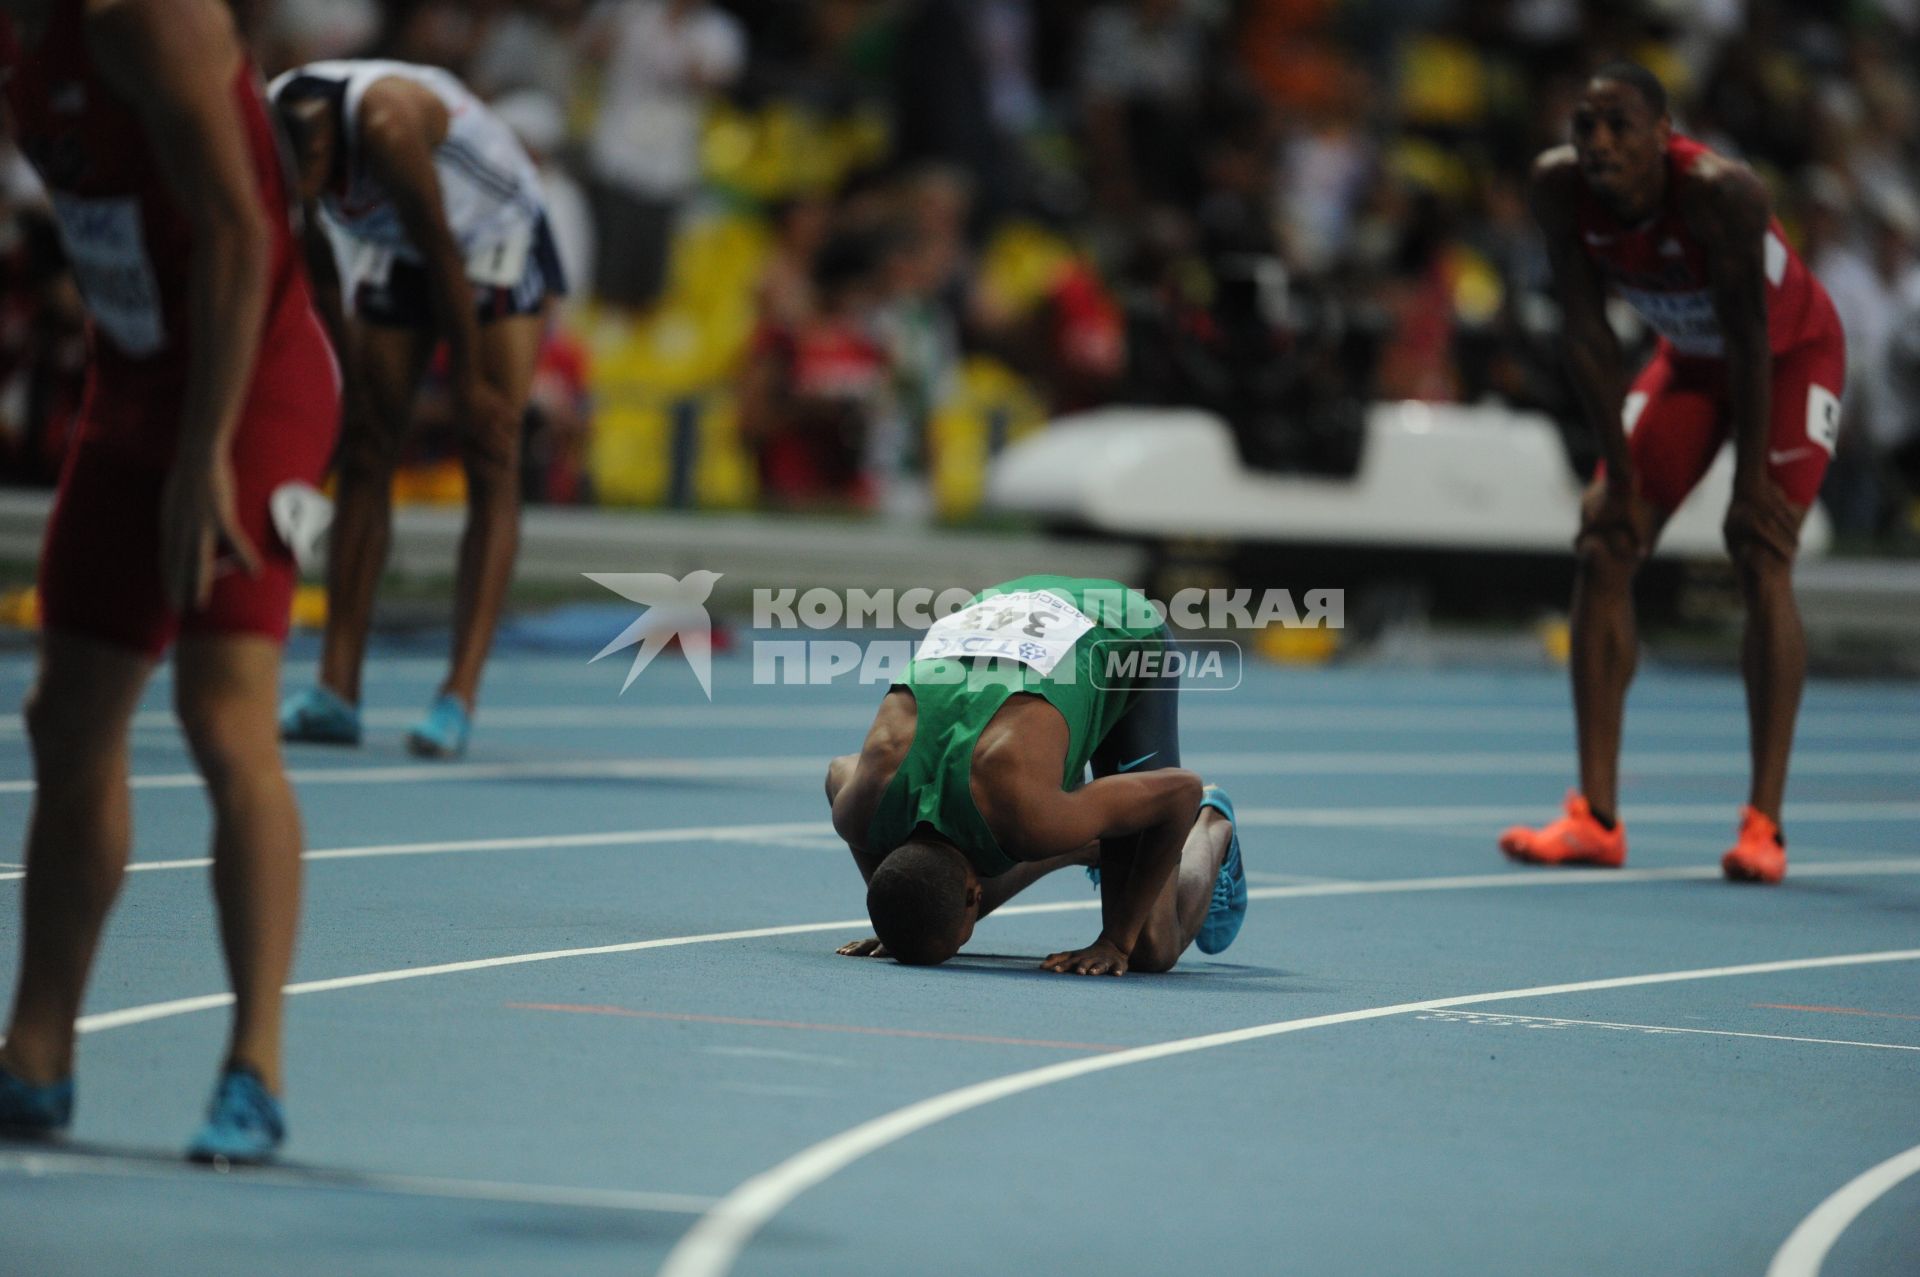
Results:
[1750, 348]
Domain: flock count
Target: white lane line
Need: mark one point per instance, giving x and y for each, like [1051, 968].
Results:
[785, 1057]
[447, 773]
[37, 1164]
[1892, 721]
[1806, 1247]
[553, 717]
[711, 1246]
[1525, 878]
[773, 833]
[1521, 878]
[1277, 765]
[1637, 814]
[1554, 1022]
[817, 836]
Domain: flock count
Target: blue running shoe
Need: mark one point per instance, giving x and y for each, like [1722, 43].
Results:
[1229, 907]
[30, 1111]
[244, 1123]
[319, 717]
[443, 732]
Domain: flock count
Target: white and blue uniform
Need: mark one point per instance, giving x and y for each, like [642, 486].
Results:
[489, 188]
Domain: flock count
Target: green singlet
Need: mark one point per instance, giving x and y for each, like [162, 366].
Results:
[1042, 635]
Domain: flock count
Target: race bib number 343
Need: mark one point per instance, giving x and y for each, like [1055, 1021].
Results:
[1035, 627]
[104, 242]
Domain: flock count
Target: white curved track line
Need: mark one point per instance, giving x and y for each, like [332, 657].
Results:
[1806, 1247]
[103, 1020]
[711, 1246]
[208, 1001]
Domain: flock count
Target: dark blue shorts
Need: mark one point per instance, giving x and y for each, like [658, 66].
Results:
[405, 298]
[1147, 737]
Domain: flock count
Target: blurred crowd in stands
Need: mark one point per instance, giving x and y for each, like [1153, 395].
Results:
[835, 253]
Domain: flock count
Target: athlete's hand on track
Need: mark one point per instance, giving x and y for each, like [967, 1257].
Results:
[197, 519]
[868, 948]
[1608, 511]
[1102, 957]
[1761, 512]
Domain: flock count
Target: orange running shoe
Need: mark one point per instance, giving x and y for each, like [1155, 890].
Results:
[1574, 839]
[1759, 855]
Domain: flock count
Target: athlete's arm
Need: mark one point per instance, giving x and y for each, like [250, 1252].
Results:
[173, 63]
[323, 274]
[1593, 351]
[852, 807]
[852, 812]
[1727, 209]
[400, 125]
[1046, 822]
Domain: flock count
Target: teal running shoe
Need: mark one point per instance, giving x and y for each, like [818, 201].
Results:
[319, 717]
[1229, 907]
[244, 1123]
[443, 732]
[34, 1111]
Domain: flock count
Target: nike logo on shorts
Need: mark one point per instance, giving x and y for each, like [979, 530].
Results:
[1127, 767]
[1780, 458]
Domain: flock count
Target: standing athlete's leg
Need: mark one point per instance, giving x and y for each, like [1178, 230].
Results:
[226, 682]
[1773, 650]
[1604, 653]
[78, 837]
[1773, 660]
[1673, 430]
[1148, 738]
[509, 349]
[224, 692]
[387, 362]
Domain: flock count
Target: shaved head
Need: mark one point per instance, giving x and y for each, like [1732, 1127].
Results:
[923, 900]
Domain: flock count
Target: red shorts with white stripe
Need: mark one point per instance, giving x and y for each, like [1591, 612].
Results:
[100, 562]
[1676, 418]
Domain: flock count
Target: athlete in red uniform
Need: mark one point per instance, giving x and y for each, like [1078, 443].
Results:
[212, 386]
[1750, 348]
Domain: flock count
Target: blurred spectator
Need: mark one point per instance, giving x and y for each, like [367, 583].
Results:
[295, 32]
[43, 346]
[919, 325]
[437, 32]
[559, 424]
[1327, 158]
[1875, 284]
[800, 228]
[1143, 71]
[659, 59]
[531, 46]
[944, 85]
[814, 389]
